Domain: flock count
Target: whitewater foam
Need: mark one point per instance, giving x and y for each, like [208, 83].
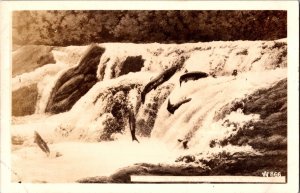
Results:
[78, 129]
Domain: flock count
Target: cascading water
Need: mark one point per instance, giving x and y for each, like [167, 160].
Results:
[100, 115]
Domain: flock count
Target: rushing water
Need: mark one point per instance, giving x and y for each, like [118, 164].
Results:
[75, 133]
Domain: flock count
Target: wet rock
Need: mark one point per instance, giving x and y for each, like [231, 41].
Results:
[131, 64]
[24, 100]
[70, 85]
[267, 136]
[96, 179]
[117, 107]
[28, 58]
[123, 175]
[186, 159]
[17, 140]
[75, 82]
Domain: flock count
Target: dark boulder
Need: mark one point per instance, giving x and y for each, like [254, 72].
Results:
[24, 100]
[131, 64]
[76, 82]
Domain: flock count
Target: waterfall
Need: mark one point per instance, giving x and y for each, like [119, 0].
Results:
[95, 121]
[196, 120]
[252, 59]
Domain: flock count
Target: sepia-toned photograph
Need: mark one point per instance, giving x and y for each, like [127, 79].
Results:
[149, 96]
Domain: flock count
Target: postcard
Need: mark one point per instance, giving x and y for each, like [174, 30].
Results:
[149, 96]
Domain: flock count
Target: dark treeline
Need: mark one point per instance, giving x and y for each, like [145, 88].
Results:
[63, 28]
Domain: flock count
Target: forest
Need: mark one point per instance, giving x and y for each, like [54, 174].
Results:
[81, 27]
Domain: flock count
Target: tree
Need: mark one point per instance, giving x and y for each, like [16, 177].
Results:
[77, 27]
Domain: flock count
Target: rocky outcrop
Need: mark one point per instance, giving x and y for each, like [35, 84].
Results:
[116, 67]
[123, 175]
[270, 132]
[268, 137]
[28, 58]
[73, 84]
[237, 164]
[117, 107]
[131, 64]
[24, 100]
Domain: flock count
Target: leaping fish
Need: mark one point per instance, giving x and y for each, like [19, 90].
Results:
[161, 78]
[172, 108]
[41, 143]
[132, 120]
[192, 76]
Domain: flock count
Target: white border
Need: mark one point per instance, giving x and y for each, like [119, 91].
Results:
[293, 94]
[207, 179]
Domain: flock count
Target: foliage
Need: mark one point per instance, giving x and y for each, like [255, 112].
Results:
[169, 26]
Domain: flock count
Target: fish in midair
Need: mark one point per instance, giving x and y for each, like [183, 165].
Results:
[41, 143]
[184, 143]
[132, 125]
[192, 76]
[161, 78]
[173, 107]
